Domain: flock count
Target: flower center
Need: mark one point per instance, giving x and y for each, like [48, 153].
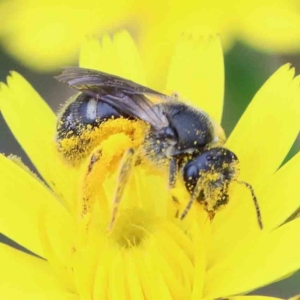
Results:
[132, 227]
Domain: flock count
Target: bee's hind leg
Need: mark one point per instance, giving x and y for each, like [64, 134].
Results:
[126, 167]
[88, 191]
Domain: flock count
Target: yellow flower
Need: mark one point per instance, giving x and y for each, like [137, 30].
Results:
[31, 31]
[150, 254]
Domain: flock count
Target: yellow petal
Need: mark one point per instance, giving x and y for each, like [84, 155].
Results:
[197, 72]
[118, 56]
[252, 298]
[116, 279]
[23, 276]
[280, 198]
[274, 109]
[268, 128]
[33, 124]
[200, 260]
[154, 270]
[277, 200]
[23, 199]
[132, 277]
[101, 278]
[258, 262]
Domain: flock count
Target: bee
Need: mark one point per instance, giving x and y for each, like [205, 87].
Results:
[179, 136]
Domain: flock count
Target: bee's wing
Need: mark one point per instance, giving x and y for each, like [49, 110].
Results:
[125, 95]
[79, 78]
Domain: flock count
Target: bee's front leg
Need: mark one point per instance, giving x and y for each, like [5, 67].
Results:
[173, 170]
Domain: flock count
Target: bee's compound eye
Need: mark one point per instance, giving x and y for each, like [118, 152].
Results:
[190, 176]
[191, 173]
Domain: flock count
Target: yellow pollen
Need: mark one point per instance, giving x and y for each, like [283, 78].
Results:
[74, 148]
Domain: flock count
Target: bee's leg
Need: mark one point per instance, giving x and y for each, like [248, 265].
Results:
[173, 170]
[257, 209]
[126, 168]
[195, 194]
[175, 200]
[173, 173]
[87, 194]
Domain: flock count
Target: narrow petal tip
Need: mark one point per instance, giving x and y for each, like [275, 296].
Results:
[14, 79]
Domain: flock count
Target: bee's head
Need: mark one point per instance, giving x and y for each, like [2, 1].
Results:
[217, 165]
[207, 177]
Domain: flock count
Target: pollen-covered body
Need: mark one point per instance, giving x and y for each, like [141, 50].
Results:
[85, 122]
[164, 133]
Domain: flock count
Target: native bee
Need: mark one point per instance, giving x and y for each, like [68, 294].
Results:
[182, 137]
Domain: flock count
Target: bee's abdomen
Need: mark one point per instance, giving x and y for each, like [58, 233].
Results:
[78, 124]
[85, 112]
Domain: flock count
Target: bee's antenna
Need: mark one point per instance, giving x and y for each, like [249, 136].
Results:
[194, 196]
[258, 213]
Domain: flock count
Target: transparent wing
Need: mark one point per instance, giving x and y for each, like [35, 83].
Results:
[79, 78]
[118, 92]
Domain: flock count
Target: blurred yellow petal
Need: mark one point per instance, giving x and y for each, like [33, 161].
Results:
[161, 32]
[33, 124]
[197, 72]
[109, 58]
[266, 259]
[23, 276]
[90, 54]
[268, 128]
[23, 200]
[31, 30]
[270, 25]
[118, 56]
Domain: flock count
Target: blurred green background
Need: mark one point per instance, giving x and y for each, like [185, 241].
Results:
[246, 69]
